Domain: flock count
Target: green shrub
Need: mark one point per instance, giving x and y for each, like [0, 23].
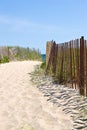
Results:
[0, 60]
[21, 53]
[27, 54]
[43, 65]
[5, 59]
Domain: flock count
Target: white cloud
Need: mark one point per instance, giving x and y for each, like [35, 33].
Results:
[21, 25]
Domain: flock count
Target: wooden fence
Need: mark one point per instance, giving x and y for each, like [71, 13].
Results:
[4, 51]
[67, 62]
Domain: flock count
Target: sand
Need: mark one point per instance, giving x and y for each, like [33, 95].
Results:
[22, 105]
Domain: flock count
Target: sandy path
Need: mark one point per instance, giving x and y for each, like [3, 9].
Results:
[21, 103]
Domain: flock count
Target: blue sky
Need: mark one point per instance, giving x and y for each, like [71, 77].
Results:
[31, 23]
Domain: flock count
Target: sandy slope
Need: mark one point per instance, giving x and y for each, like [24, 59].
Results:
[21, 103]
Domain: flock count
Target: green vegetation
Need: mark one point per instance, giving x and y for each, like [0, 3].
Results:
[39, 70]
[27, 127]
[65, 67]
[19, 53]
[5, 59]
[26, 54]
[43, 65]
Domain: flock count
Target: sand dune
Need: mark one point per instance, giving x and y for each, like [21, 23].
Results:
[22, 105]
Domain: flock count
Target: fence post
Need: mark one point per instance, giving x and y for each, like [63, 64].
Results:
[81, 66]
[62, 62]
[54, 57]
[8, 52]
[70, 61]
[77, 61]
[48, 54]
[86, 66]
